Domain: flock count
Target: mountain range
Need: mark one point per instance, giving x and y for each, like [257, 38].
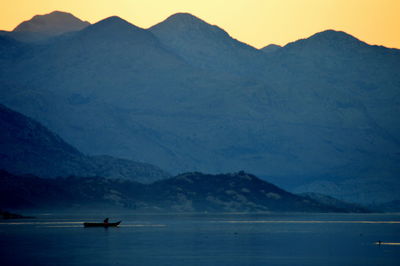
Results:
[70, 179]
[189, 192]
[315, 115]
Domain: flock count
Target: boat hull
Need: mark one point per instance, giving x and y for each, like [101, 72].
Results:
[101, 224]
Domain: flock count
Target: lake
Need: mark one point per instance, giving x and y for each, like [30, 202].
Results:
[202, 239]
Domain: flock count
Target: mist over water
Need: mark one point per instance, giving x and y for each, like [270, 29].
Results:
[203, 239]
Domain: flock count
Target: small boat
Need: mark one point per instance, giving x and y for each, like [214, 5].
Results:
[101, 224]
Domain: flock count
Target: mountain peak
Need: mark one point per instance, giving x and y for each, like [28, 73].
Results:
[113, 28]
[186, 22]
[185, 18]
[270, 48]
[114, 23]
[114, 20]
[204, 45]
[57, 13]
[333, 35]
[54, 23]
[328, 40]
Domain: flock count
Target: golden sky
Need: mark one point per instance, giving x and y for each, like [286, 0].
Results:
[256, 22]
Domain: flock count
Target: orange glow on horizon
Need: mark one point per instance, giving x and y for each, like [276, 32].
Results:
[256, 22]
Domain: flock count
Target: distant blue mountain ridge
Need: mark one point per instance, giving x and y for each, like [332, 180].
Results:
[316, 115]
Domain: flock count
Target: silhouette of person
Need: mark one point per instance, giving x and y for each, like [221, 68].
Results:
[106, 221]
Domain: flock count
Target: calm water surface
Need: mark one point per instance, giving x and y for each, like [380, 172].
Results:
[202, 239]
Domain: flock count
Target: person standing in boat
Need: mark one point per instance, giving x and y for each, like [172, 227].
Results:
[105, 221]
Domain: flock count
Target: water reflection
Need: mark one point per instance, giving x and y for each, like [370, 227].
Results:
[387, 243]
[309, 222]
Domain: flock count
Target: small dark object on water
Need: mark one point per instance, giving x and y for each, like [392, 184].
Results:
[104, 224]
[379, 243]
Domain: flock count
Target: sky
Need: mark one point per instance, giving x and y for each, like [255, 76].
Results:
[256, 22]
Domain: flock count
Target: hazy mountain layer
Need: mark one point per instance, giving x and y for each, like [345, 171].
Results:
[330, 201]
[185, 96]
[28, 147]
